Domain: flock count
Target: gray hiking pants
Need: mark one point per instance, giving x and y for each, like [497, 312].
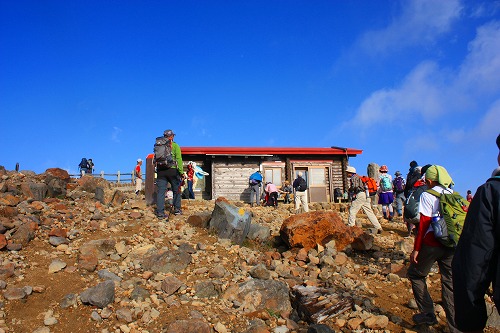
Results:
[417, 274]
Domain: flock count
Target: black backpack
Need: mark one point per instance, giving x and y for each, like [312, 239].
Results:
[302, 185]
[410, 213]
[84, 164]
[163, 153]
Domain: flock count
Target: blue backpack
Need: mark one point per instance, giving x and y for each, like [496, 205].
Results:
[385, 184]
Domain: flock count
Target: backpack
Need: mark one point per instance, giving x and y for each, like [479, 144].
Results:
[302, 185]
[370, 183]
[84, 164]
[255, 179]
[399, 184]
[410, 212]
[385, 184]
[163, 153]
[253, 182]
[453, 209]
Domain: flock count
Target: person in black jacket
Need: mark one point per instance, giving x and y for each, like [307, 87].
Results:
[477, 262]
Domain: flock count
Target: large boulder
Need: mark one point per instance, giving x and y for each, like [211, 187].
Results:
[372, 170]
[229, 221]
[257, 295]
[306, 230]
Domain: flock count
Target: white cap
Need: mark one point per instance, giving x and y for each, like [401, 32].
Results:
[139, 160]
[350, 169]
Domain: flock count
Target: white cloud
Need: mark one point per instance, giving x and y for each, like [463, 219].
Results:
[489, 125]
[115, 134]
[480, 72]
[420, 93]
[420, 23]
[428, 92]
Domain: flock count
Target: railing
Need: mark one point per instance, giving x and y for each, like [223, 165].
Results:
[118, 177]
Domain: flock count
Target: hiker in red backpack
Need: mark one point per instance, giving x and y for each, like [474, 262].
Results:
[427, 250]
[385, 195]
[475, 264]
[399, 188]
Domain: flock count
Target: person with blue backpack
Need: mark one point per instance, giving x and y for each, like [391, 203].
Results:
[255, 182]
[385, 196]
[476, 262]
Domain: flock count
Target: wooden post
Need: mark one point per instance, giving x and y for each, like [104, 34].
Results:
[149, 186]
[118, 177]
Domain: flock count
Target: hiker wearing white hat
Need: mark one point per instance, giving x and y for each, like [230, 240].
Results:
[359, 201]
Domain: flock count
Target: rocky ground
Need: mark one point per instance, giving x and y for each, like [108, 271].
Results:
[80, 256]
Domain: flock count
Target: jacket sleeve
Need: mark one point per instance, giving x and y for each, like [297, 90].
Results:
[176, 151]
[475, 262]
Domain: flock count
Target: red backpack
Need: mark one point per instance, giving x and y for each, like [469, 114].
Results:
[370, 183]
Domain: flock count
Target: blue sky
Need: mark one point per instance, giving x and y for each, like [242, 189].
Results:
[401, 80]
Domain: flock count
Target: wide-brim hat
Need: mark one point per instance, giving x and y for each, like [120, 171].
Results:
[397, 173]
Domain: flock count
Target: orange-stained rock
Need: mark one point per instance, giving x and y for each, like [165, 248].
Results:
[3, 241]
[318, 227]
[59, 232]
[58, 173]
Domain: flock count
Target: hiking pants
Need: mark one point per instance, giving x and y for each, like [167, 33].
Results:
[138, 184]
[301, 199]
[398, 202]
[162, 178]
[417, 274]
[255, 191]
[362, 202]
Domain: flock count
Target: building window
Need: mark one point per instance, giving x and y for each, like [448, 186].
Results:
[317, 177]
[273, 175]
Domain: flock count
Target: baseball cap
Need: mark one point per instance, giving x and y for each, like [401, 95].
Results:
[168, 133]
[139, 160]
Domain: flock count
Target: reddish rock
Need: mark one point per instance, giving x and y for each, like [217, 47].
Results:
[37, 205]
[308, 229]
[8, 211]
[60, 207]
[90, 183]
[59, 232]
[3, 241]
[363, 242]
[9, 200]
[135, 215]
[57, 173]
[88, 261]
[6, 271]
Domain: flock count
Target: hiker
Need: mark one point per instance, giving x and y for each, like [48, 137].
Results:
[168, 170]
[254, 181]
[399, 185]
[357, 191]
[138, 177]
[385, 194]
[412, 176]
[272, 191]
[475, 265]
[427, 250]
[300, 193]
[91, 165]
[469, 196]
[287, 189]
[83, 167]
[190, 179]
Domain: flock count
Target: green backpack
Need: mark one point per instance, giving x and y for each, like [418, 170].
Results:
[453, 209]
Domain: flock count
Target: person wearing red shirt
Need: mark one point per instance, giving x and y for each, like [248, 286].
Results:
[138, 177]
[427, 250]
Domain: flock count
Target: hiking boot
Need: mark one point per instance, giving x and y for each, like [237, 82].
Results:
[161, 217]
[178, 212]
[425, 319]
